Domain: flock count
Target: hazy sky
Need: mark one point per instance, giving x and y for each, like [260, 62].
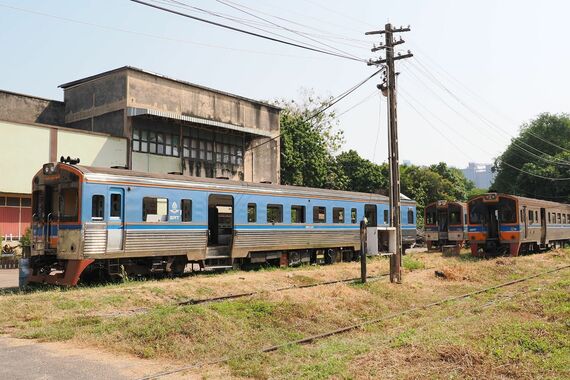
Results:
[481, 68]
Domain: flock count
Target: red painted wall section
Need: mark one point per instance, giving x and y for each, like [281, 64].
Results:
[10, 222]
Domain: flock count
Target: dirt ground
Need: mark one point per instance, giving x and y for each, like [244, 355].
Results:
[512, 332]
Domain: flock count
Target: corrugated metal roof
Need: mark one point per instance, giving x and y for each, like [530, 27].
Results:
[131, 111]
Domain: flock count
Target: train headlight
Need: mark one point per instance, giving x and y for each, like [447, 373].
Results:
[49, 169]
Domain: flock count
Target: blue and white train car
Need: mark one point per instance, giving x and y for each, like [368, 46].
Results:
[111, 222]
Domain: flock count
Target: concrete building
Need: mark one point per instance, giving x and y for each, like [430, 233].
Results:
[132, 118]
[480, 174]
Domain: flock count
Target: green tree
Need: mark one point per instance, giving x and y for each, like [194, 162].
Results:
[542, 149]
[362, 175]
[308, 145]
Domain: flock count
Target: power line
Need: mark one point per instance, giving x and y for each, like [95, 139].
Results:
[492, 124]
[482, 99]
[282, 27]
[463, 153]
[244, 31]
[240, 21]
[469, 121]
[324, 108]
[149, 35]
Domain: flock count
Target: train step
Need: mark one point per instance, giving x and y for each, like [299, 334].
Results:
[218, 267]
[218, 252]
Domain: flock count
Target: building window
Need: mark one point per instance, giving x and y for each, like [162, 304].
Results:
[13, 202]
[251, 213]
[411, 217]
[353, 216]
[155, 209]
[186, 206]
[2, 201]
[165, 144]
[297, 214]
[98, 207]
[26, 202]
[338, 215]
[319, 214]
[274, 214]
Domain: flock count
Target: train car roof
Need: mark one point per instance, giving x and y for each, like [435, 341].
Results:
[100, 174]
[526, 199]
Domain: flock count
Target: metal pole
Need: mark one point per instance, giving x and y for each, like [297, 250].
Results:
[396, 258]
[363, 251]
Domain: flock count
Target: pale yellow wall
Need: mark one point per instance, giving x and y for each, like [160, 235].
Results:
[23, 151]
[92, 150]
[145, 162]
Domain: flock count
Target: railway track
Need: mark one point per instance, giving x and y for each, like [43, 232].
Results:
[355, 326]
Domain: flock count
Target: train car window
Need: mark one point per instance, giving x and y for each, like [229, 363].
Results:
[568, 218]
[563, 218]
[186, 206]
[455, 216]
[297, 214]
[319, 214]
[115, 205]
[274, 214]
[353, 215]
[530, 216]
[507, 210]
[338, 215]
[155, 209]
[536, 216]
[548, 217]
[559, 218]
[410, 216]
[68, 207]
[385, 216]
[98, 207]
[465, 219]
[477, 212]
[251, 213]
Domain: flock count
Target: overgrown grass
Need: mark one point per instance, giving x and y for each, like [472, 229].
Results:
[472, 336]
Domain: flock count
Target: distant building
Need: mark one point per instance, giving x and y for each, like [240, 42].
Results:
[135, 119]
[480, 174]
[407, 163]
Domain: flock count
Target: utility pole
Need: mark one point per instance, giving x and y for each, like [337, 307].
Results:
[388, 88]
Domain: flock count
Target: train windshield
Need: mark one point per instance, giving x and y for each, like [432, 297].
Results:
[477, 212]
[430, 215]
[455, 214]
[507, 210]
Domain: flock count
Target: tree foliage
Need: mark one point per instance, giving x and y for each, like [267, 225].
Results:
[308, 158]
[534, 152]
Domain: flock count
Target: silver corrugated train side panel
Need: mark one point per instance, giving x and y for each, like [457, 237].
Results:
[94, 239]
[250, 240]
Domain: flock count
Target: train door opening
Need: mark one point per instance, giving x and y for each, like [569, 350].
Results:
[116, 225]
[442, 219]
[492, 222]
[371, 215]
[220, 220]
[525, 220]
[542, 226]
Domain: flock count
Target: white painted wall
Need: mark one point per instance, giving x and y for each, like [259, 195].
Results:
[92, 150]
[23, 151]
[146, 162]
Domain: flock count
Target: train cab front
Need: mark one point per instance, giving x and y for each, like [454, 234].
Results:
[56, 225]
[493, 224]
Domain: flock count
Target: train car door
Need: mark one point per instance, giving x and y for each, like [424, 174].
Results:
[116, 224]
[220, 220]
[525, 222]
[542, 226]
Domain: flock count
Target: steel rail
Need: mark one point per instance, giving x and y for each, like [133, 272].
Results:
[313, 338]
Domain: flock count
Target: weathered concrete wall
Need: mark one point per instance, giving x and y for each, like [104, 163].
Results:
[25, 148]
[263, 163]
[152, 163]
[28, 109]
[93, 150]
[154, 92]
[97, 105]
